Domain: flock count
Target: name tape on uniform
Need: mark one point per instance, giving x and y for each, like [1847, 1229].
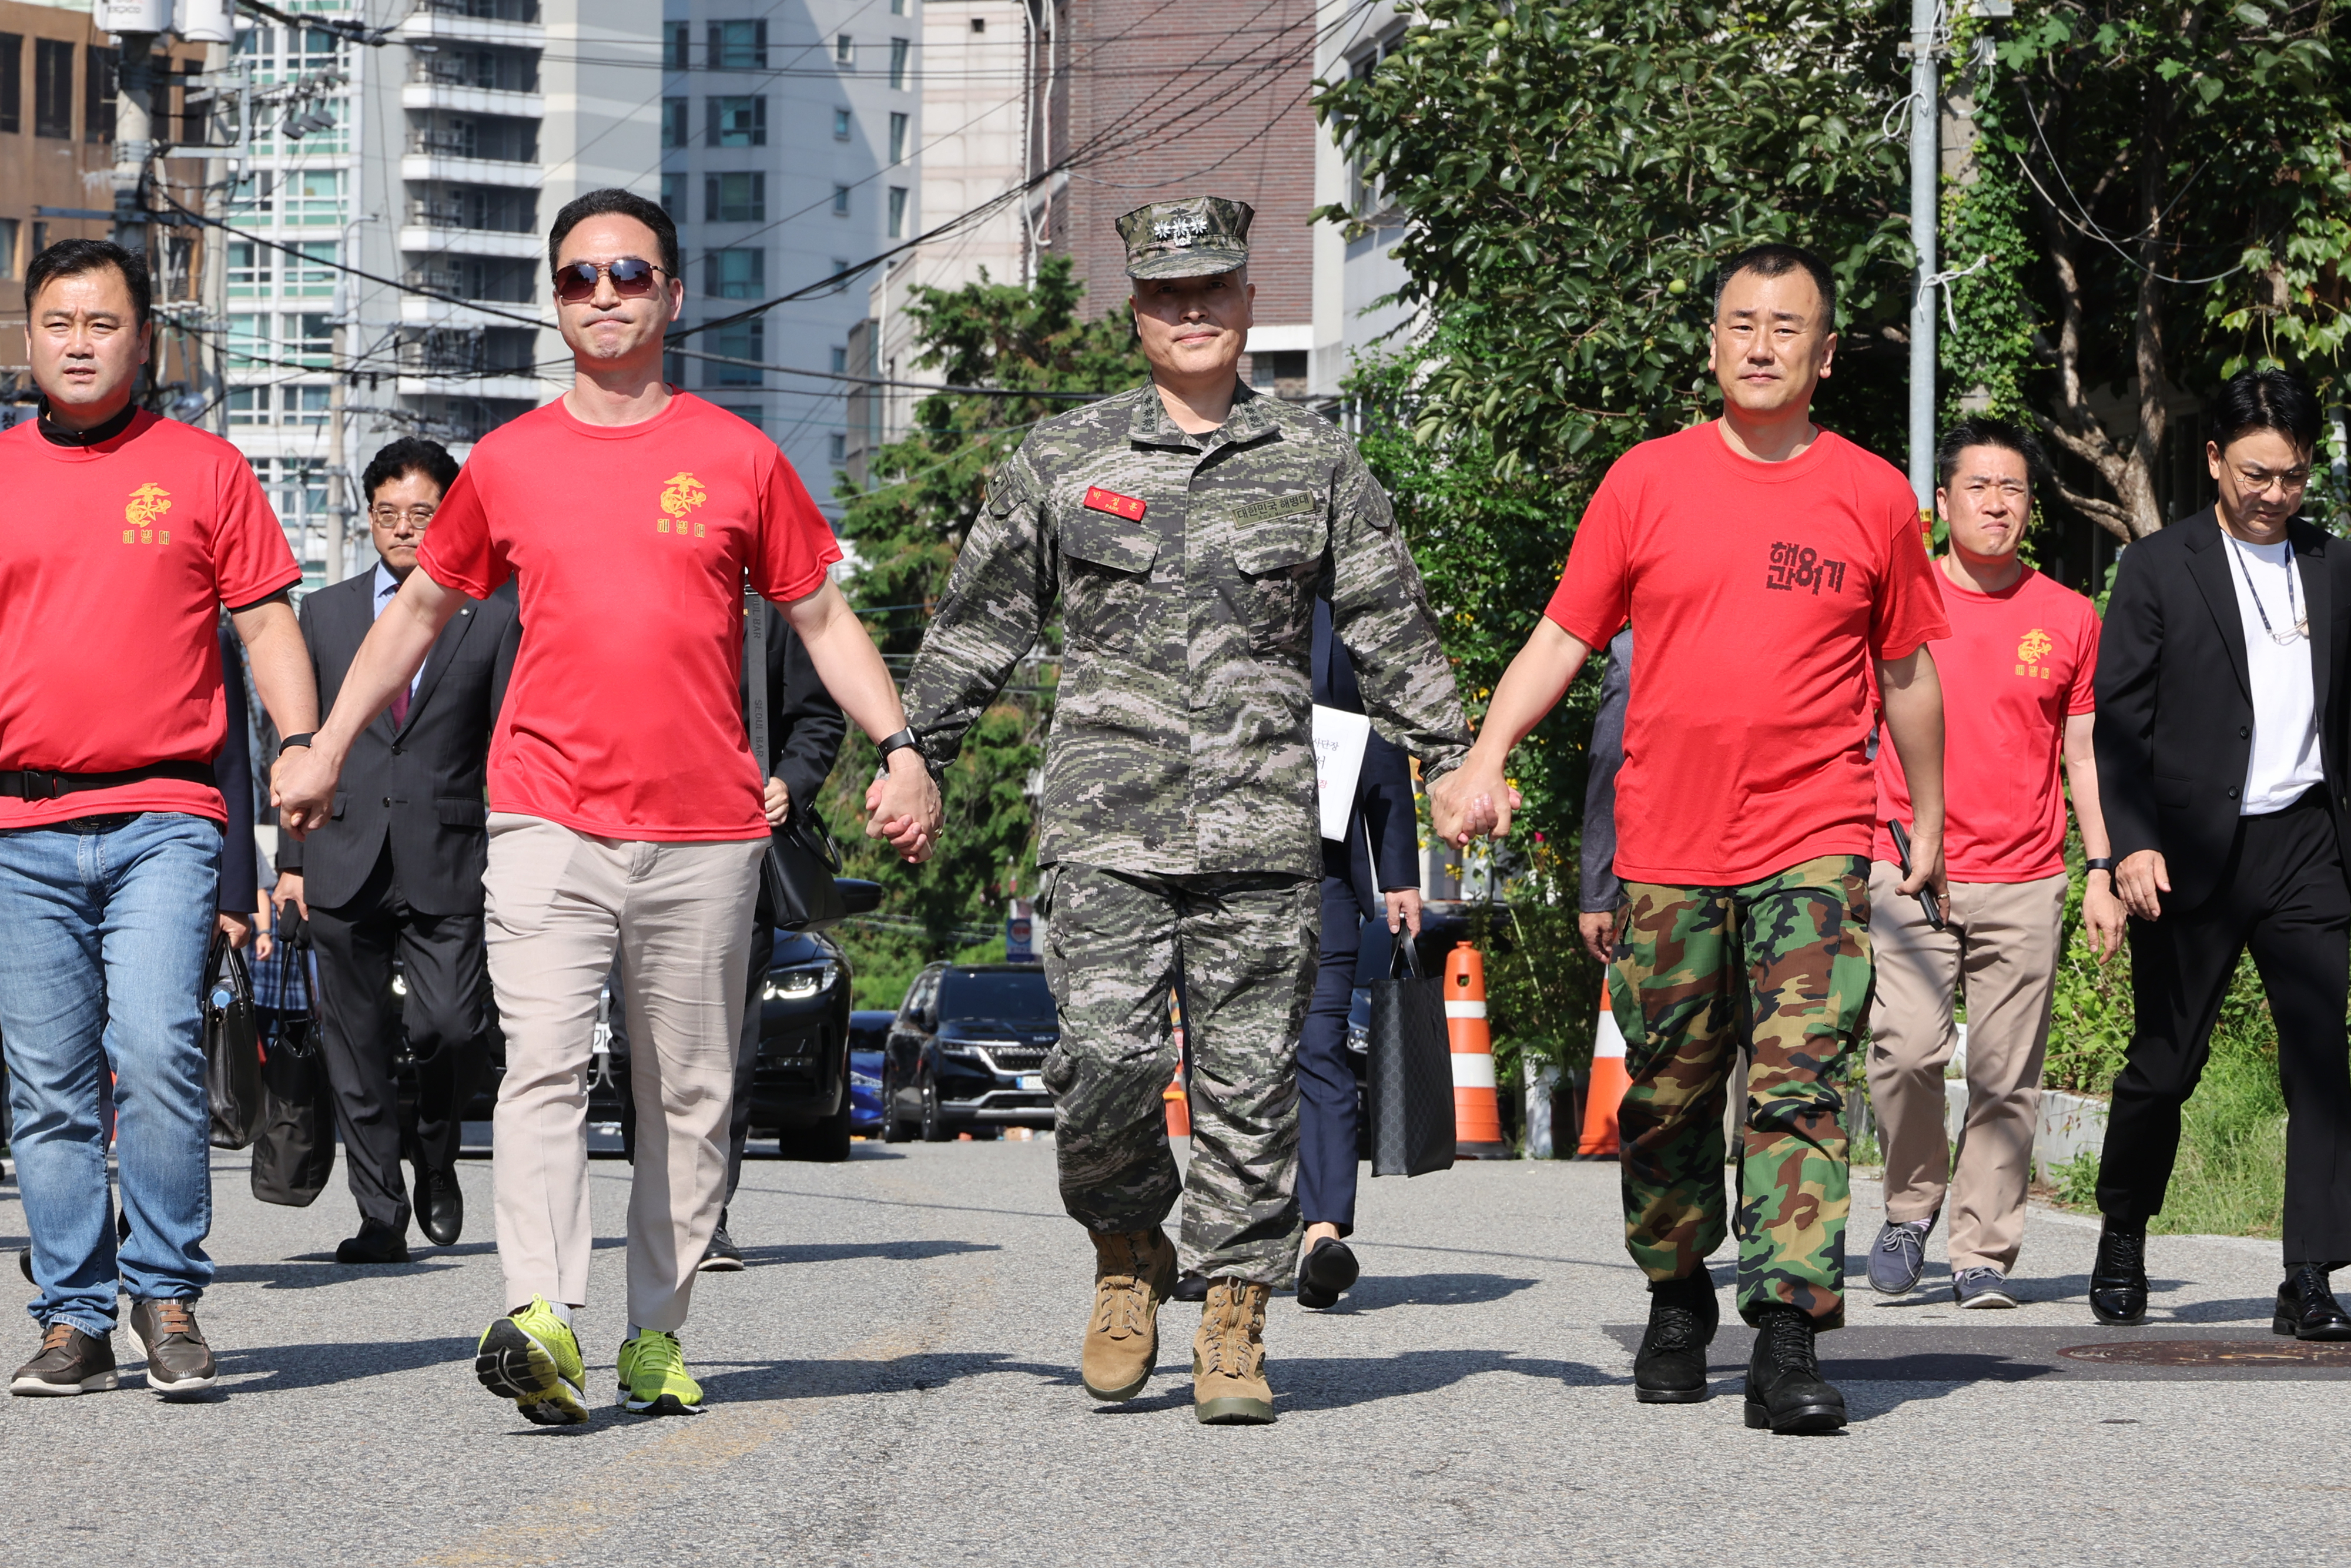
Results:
[1101, 500]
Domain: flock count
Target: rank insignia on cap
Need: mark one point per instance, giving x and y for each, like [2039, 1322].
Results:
[1101, 500]
[1190, 238]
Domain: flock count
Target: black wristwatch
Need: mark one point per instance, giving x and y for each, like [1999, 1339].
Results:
[292, 741]
[2100, 862]
[901, 741]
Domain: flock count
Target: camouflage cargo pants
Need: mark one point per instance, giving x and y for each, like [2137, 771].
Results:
[1241, 952]
[1699, 972]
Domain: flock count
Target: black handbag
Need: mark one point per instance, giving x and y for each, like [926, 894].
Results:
[293, 1154]
[1410, 1096]
[801, 860]
[232, 1048]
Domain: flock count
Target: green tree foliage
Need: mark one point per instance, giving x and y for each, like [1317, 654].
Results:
[926, 490]
[2188, 166]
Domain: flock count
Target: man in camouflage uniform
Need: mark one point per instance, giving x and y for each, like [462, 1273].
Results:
[1185, 529]
[1773, 569]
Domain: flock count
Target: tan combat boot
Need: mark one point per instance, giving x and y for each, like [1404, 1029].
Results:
[1228, 1385]
[1133, 1272]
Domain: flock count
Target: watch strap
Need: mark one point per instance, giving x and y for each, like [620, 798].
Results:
[2099, 863]
[293, 740]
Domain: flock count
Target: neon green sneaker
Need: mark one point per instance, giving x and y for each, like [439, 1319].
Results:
[652, 1376]
[532, 1357]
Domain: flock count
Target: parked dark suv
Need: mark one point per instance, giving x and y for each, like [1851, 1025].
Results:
[966, 1053]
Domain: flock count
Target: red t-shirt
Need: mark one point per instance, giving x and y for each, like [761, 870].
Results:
[624, 717]
[2017, 664]
[1759, 594]
[114, 563]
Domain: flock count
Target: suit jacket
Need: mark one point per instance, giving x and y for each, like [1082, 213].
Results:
[2175, 720]
[422, 786]
[1601, 892]
[1383, 803]
[804, 723]
[240, 875]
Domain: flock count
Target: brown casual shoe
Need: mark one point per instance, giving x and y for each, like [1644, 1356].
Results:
[70, 1362]
[1228, 1385]
[179, 1361]
[1134, 1271]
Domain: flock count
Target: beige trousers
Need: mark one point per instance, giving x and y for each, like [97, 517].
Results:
[2002, 939]
[559, 901]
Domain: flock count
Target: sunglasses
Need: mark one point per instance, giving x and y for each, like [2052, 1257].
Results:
[632, 279]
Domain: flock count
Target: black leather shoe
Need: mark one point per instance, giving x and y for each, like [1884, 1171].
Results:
[2118, 1279]
[722, 1256]
[1670, 1366]
[1325, 1274]
[1190, 1287]
[440, 1205]
[2306, 1309]
[374, 1245]
[1784, 1390]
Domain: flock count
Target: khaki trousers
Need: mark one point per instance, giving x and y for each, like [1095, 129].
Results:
[558, 902]
[2002, 938]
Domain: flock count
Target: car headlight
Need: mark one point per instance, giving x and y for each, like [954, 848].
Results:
[799, 985]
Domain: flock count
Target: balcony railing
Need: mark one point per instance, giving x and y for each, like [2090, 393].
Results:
[483, 10]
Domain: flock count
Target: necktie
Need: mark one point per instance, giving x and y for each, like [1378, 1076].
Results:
[399, 707]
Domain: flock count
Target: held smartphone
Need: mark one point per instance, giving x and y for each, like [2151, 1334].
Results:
[1925, 896]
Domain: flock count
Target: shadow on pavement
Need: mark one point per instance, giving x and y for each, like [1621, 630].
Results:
[1373, 1294]
[841, 1251]
[286, 1367]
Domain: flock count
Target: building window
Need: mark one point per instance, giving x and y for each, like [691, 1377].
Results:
[979, 24]
[315, 196]
[899, 49]
[837, 446]
[840, 124]
[844, 50]
[898, 7]
[304, 406]
[248, 269]
[897, 211]
[674, 133]
[898, 137]
[734, 198]
[97, 103]
[308, 338]
[841, 201]
[310, 272]
[248, 405]
[738, 340]
[737, 123]
[840, 270]
[672, 197]
[840, 361]
[677, 40]
[738, 274]
[749, 414]
[40, 239]
[7, 247]
[738, 46]
[249, 340]
[11, 81]
[53, 74]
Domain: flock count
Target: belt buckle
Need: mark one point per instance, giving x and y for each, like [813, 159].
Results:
[42, 785]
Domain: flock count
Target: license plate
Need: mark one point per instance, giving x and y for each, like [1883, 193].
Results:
[1032, 1081]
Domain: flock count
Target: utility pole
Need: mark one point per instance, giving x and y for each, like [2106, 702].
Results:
[1924, 161]
[339, 485]
[135, 25]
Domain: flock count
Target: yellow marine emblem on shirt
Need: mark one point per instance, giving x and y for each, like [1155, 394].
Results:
[680, 494]
[2034, 647]
[147, 503]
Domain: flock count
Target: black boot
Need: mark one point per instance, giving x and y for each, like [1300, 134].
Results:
[2118, 1279]
[1784, 1391]
[2306, 1309]
[1670, 1366]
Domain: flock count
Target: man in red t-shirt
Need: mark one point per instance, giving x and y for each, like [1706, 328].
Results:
[625, 808]
[123, 535]
[1771, 569]
[2017, 673]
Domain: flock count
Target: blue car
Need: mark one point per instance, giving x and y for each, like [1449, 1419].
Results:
[869, 1033]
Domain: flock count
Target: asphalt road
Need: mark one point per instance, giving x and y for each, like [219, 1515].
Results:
[892, 1381]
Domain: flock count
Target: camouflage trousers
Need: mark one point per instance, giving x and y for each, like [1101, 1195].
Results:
[1782, 967]
[1240, 952]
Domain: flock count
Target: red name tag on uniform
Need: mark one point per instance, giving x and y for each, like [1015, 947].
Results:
[1101, 500]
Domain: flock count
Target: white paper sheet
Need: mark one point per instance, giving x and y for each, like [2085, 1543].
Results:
[1340, 738]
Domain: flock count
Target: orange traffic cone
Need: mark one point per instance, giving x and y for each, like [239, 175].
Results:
[1476, 1114]
[1179, 1105]
[1609, 1081]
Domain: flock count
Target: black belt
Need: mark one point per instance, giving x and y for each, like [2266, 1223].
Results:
[36, 784]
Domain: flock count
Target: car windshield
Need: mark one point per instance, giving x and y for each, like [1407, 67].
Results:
[995, 994]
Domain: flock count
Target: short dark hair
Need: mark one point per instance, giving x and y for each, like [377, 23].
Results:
[409, 454]
[2266, 399]
[628, 205]
[72, 258]
[1983, 430]
[1774, 258]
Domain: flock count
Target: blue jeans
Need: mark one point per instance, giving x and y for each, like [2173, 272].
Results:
[104, 925]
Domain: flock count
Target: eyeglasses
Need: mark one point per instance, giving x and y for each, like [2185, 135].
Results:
[2289, 482]
[389, 517]
[632, 279]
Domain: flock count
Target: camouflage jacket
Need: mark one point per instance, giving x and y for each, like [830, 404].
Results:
[1187, 568]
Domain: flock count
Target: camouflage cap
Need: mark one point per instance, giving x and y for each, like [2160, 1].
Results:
[1187, 239]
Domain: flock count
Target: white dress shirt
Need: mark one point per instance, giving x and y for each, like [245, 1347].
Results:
[2285, 758]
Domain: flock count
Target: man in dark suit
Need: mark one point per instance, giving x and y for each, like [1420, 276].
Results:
[2221, 697]
[398, 871]
[805, 727]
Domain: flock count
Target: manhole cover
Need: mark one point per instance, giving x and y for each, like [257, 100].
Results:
[2280, 1351]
